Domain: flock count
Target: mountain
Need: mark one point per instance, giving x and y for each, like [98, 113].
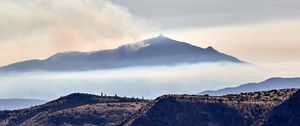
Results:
[245, 109]
[154, 51]
[74, 109]
[19, 103]
[269, 84]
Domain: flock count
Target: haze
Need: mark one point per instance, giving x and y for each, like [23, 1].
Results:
[37, 29]
[147, 82]
[264, 33]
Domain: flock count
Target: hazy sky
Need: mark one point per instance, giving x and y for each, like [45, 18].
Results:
[262, 32]
[207, 13]
[257, 31]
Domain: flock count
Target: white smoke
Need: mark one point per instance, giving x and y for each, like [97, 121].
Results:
[39, 28]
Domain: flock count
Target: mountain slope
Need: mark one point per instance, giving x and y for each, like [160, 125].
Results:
[246, 109]
[269, 84]
[171, 111]
[155, 51]
[74, 109]
[19, 103]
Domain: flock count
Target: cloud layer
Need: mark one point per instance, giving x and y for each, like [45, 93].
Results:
[148, 82]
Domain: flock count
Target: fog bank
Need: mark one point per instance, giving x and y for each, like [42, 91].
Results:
[148, 82]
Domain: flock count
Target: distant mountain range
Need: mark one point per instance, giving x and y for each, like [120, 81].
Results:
[269, 84]
[19, 103]
[154, 51]
[265, 108]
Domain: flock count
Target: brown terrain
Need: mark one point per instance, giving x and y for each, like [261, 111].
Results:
[245, 109]
[74, 109]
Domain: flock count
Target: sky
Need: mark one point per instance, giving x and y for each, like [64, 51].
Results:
[264, 33]
[257, 31]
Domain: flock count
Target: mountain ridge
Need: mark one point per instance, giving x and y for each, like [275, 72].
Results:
[268, 84]
[159, 50]
[94, 106]
[244, 109]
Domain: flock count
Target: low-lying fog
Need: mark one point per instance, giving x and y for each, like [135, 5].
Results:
[147, 82]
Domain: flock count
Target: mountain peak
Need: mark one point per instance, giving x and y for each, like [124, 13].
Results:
[161, 37]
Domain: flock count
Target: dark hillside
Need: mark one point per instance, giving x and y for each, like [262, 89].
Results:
[192, 110]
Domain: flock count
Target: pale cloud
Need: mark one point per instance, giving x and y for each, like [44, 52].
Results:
[40, 28]
[149, 82]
